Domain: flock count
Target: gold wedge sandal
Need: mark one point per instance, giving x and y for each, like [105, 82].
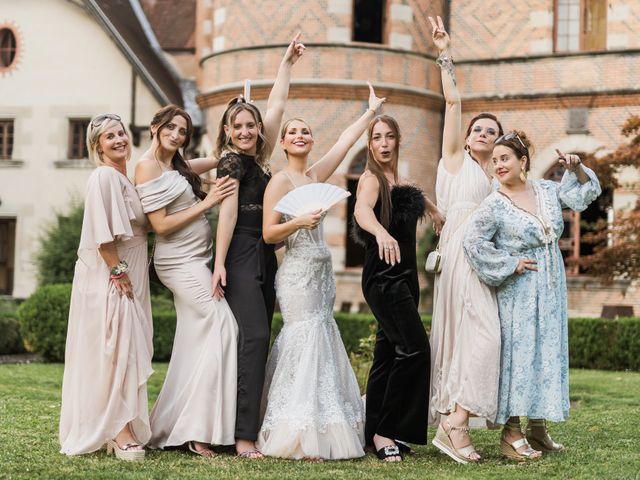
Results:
[125, 453]
[510, 449]
[543, 443]
[442, 441]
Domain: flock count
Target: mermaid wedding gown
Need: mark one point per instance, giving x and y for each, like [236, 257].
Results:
[312, 402]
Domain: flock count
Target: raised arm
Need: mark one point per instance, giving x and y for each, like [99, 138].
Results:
[452, 151]
[366, 198]
[280, 92]
[324, 168]
[273, 231]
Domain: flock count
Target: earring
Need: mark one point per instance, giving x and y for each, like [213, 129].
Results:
[523, 175]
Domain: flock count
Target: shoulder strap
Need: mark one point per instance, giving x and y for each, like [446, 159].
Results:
[290, 179]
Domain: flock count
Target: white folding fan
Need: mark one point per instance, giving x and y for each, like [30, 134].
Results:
[309, 198]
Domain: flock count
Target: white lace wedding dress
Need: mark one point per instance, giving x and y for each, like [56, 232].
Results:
[312, 404]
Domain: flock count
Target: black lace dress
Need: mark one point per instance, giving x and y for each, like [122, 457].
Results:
[251, 269]
[398, 384]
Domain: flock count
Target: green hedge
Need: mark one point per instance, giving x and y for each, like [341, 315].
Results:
[43, 320]
[604, 344]
[593, 342]
[10, 338]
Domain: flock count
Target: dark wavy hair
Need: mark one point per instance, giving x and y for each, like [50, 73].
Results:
[159, 121]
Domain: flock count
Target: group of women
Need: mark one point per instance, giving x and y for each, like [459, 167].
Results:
[498, 341]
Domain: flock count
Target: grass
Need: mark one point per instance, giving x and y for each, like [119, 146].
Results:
[602, 436]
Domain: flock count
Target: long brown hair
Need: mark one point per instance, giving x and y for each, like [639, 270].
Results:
[223, 140]
[374, 167]
[159, 121]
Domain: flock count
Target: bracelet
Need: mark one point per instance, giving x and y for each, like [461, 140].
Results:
[117, 277]
[120, 269]
[374, 112]
[443, 59]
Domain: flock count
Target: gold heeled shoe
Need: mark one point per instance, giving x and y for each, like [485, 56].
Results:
[510, 449]
[125, 453]
[544, 443]
[442, 441]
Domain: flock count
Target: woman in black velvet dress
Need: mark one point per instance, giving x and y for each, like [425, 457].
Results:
[387, 212]
[245, 267]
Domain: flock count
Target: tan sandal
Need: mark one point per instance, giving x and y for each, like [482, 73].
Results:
[125, 453]
[442, 441]
[204, 452]
[510, 449]
[544, 443]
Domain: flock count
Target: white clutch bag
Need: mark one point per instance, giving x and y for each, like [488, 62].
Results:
[309, 198]
[434, 261]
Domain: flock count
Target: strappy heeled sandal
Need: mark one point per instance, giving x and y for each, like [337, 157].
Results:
[544, 443]
[510, 449]
[125, 452]
[205, 452]
[442, 441]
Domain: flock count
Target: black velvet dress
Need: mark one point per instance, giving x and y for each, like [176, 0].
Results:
[398, 385]
[251, 269]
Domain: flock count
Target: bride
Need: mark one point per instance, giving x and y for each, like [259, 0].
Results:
[311, 398]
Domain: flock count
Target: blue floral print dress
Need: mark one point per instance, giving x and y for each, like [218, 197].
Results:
[533, 306]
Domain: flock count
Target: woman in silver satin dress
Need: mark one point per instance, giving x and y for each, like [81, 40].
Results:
[196, 405]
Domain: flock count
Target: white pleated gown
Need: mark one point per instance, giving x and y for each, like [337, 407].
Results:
[109, 338]
[465, 330]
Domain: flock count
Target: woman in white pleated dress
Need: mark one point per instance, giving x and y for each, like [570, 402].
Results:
[109, 337]
[465, 332]
[197, 403]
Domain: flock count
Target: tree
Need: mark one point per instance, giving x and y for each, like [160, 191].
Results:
[616, 244]
[56, 258]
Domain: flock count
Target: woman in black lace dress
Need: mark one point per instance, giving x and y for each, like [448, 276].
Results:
[387, 212]
[245, 267]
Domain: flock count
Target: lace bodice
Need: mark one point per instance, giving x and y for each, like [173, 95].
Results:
[253, 182]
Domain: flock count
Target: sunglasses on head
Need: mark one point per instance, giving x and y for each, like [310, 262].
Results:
[508, 137]
[99, 120]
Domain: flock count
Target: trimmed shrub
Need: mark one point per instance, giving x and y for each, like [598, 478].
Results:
[43, 320]
[10, 338]
[604, 344]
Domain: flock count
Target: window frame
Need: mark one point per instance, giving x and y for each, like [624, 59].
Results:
[8, 128]
[74, 122]
[583, 37]
[383, 24]
[16, 48]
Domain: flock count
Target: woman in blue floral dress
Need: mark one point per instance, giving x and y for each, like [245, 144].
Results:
[512, 243]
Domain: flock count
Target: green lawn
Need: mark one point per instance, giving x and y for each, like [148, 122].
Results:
[602, 437]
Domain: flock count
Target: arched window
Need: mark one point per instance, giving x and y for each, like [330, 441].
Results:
[8, 48]
[368, 21]
[354, 255]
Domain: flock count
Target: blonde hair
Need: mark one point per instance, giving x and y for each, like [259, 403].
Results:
[285, 127]
[94, 131]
